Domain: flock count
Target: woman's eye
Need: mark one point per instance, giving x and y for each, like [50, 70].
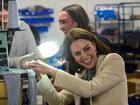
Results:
[76, 54]
[63, 22]
[87, 48]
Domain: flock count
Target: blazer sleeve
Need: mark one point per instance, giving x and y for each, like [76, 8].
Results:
[47, 90]
[110, 73]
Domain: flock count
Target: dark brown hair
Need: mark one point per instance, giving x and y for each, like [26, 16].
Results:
[79, 33]
[79, 15]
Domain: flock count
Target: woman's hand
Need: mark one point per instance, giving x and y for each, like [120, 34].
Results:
[37, 65]
[40, 67]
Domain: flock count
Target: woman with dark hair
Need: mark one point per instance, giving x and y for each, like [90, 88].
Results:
[35, 33]
[99, 80]
[74, 16]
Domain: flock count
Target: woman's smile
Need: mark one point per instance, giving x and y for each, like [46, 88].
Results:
[84, 53]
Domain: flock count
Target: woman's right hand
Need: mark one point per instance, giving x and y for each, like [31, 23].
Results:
[40, 67]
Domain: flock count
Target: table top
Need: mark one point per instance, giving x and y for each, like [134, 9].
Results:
[134, 80]
[23, 72]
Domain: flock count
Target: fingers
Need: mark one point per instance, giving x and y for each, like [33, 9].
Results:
[26, 65]
[36, 65]
[30, 64]
[52, 79]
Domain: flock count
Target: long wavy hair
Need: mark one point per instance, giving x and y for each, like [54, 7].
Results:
[79, 33]
[79, 15]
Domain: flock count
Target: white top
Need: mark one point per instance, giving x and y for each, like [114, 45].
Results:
[23, 43]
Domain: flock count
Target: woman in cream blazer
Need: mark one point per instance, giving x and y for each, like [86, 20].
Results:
[107, 87]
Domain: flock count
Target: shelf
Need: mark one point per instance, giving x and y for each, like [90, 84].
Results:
[108, 21]
[133, 56]
[130, 36]
[126, 20]
[134, 80]
[37, 16]
[120, 24]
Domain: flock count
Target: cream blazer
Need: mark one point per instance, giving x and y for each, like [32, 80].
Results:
[108, 87]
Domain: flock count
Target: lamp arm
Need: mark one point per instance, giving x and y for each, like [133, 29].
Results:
[25, 58]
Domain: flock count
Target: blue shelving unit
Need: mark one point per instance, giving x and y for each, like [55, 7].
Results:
[124, 18]
[41, 19]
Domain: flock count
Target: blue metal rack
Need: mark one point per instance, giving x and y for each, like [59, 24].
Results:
[41, 19]
[121, 16]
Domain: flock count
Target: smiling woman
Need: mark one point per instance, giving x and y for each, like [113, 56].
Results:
[100, 74]
[73, 36]
[84, 53]
[75, 16]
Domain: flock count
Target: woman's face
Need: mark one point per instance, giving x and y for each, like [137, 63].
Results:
[84, 53]
[4, 14]
[66, 22]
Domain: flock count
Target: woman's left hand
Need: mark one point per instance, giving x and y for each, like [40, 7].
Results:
[37, 65]
[41, 67]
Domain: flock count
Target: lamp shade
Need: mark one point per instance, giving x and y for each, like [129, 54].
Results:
[44, 50]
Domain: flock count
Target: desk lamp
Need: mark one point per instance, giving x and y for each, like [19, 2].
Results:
[44, 50]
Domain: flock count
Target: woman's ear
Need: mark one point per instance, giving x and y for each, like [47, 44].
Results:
[75, 24]
[94, 46]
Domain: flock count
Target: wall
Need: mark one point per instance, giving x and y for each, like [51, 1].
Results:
[58, 4]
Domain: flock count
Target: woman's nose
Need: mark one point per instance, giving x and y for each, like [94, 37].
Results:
[84, 55]
[60, 26]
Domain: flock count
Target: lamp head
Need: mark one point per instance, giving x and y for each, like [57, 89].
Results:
[44, 50]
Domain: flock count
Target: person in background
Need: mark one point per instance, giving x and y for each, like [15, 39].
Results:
[99, 80]
[35, 33]
[73, 16]
[23, 43]
[20, 43]
[3, 13]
